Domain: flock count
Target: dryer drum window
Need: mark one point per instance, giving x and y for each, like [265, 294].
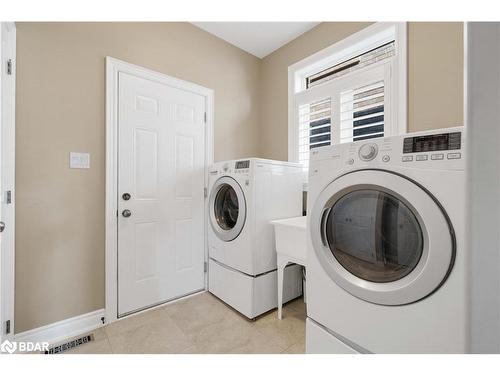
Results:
[226, 207]
[374, 235]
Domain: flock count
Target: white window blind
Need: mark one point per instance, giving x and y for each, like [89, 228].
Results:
[362, 113]
[315, 127]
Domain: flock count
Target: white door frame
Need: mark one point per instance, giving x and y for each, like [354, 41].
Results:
[113, 67]
[7, 170]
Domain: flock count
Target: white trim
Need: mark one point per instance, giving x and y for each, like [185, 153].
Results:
[64, 329]
[113, 67]
[364, 40]
[482, 118]
[400, 81]
[7, 178]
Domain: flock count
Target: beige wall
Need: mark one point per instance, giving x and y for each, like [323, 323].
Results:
[435, 75]
[60, 108]
[435, 78]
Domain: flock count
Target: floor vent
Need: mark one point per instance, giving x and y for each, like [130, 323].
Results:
[70, 344]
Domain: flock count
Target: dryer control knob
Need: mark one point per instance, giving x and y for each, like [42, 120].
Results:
[368, 151]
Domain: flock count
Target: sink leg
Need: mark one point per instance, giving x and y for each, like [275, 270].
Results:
[281, 269]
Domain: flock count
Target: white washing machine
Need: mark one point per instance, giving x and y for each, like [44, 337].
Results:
[386, 249]
[245, 195]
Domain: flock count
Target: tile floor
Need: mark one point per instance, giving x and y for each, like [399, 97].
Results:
[202, 324]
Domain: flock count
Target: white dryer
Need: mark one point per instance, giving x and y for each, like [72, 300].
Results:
[245, 195]
[386, 249]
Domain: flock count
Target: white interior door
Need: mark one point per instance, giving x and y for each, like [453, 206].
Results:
[161, 165]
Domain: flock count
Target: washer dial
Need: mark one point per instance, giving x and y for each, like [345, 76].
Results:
[368, 151]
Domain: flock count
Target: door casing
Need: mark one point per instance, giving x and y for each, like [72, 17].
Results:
[113, 68]
[7, 177]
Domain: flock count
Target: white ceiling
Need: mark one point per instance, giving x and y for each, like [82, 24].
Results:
[257, 38]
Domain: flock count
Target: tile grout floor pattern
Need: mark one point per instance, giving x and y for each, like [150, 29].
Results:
[202, 324]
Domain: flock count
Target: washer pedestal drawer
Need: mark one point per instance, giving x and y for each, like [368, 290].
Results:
[252, 296]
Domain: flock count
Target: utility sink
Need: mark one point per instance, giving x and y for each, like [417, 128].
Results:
[291, 237]
[291, 247]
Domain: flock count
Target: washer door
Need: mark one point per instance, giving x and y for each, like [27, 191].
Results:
[227, 208]
[382, 237]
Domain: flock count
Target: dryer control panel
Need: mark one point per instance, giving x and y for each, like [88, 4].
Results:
[442, 148]
[433, 147]
[433, 142]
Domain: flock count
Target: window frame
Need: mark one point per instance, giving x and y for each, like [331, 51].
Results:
[355, 44]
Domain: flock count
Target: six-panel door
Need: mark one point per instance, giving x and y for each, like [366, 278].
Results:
[161, 166]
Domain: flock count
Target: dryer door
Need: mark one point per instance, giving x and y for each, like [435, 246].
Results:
[382, 237]
[227, 208]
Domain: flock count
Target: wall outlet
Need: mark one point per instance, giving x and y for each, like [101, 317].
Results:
[79, 160]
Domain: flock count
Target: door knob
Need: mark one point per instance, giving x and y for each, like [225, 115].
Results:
[2, 226]
[126, 213]
[126, 196]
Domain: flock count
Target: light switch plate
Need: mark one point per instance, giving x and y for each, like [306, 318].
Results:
[79, 160]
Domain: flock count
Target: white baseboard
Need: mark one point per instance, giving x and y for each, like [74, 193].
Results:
[64, 329]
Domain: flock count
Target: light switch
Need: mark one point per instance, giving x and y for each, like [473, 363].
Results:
[79, 160]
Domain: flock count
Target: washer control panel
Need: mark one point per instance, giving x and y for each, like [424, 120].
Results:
[240, 167]
[368, 151]
[242, 164]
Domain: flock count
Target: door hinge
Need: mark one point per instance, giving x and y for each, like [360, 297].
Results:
[7, 327]
[8, 197]
[9, 67]
[205, 267]
[205, 117]
[205, 192]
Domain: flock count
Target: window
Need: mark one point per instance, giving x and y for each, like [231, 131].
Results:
[350, 108]
[352, 91]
